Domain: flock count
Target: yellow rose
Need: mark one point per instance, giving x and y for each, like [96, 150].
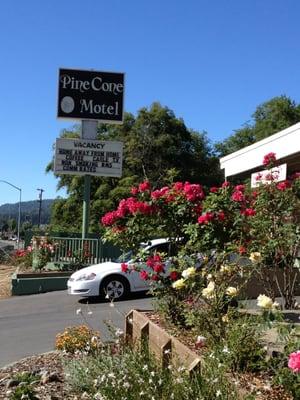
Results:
[225, 318]
[179, 284]
[187, 273]
[208, 292]
[231, 291]
[264, 301]
[255, 257]
[225, 268]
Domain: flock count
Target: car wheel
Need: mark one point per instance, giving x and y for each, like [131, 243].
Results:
[115, 287]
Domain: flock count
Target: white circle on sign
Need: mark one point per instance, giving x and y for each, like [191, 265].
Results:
[67, 104]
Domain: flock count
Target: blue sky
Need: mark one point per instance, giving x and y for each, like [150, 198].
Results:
[211, 62]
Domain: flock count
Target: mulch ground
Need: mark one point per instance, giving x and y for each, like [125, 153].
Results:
[5, 280]
[48, 368]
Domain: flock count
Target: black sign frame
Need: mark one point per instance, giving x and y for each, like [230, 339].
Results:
[91, 95]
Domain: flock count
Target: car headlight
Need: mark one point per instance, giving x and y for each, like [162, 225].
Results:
[86, 277]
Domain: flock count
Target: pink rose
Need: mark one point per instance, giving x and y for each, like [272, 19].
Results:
[238, 196]
[294, 361]
[269, 160]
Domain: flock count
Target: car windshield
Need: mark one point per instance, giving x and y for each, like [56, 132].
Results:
[125, 257]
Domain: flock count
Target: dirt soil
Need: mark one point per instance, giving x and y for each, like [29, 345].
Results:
[5, 276]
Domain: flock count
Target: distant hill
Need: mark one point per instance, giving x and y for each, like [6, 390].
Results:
[29, 211]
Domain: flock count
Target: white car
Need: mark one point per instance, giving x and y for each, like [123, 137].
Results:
[107, 279]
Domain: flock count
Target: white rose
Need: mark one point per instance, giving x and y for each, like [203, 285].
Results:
[264, 301]
[188, 272]
[231, 291]
[179, 284]
[208, 292]
[255, 257]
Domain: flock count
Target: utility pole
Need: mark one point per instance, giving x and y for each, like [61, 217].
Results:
[40, 206]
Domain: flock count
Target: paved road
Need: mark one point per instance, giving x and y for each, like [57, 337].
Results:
[28, 324]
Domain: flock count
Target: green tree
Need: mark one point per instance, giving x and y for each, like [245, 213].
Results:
[157, 146]
[270, 117]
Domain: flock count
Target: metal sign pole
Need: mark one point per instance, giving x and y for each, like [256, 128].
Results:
[88, 131]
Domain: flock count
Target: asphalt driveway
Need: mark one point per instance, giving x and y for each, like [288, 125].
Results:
[28, 324]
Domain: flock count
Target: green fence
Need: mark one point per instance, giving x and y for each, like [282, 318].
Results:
[72, 248]
[91, 251]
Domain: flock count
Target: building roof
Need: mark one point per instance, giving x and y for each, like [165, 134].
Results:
[285, 144]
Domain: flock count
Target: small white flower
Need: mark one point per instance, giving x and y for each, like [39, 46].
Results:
[167, 351]
[126, 385]
[152, 373]
[119, 332]
[142, 393]
[111, 304]
[145, 367]
[226, 350]
[78, 311]
[160, 382]
[90, 312]
[107, 296]
[219, 393]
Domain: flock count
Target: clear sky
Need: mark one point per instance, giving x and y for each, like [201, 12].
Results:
[211, 62]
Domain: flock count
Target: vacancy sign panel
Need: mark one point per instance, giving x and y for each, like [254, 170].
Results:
[88, 157]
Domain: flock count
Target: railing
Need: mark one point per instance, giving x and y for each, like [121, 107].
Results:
[90, 251]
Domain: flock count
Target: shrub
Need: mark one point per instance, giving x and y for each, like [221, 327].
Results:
[78, 338]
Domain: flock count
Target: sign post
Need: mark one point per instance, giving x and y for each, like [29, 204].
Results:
[88, 131]
[90, 96]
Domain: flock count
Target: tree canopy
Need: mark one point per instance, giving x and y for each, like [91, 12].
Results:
[157, 147]
[269, 117]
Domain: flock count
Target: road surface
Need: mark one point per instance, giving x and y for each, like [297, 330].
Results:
[28, 324]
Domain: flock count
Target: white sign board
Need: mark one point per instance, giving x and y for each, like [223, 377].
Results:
[275, 174]
[88, 157]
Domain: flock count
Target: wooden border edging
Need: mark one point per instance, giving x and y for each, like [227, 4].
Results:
[167, 349]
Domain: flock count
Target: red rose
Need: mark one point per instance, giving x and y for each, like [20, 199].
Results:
[283, 185]
[221, 216]
[144, 186]
[242, 250]
[158, 268]
[225, 184]
[213, 189]
[155, 277]
[124, 268]
[240, 188]
[174, 275]
[205, 218]
[248, 212]
[144, 275]
[134, 191]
